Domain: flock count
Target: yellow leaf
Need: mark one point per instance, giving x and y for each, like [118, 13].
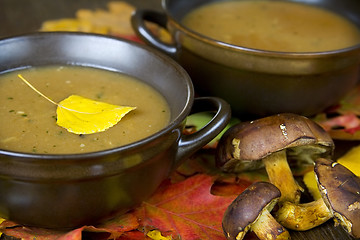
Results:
[81, 115]
[351, 160]
[84, 116]
[1, 220]
[156, 235]
[310, 182]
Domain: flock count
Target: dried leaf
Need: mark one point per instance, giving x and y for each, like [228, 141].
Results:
[185, 210]
[156, 235]
[85, 116]
[230, 186]
[310, 183]
[342, 120]
[350, 160]
[109, 230]
[113, 21]
[350, 103]
[203, 162]
[134, 235]
[195, 122]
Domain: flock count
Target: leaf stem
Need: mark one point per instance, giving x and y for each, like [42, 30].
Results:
[47, 98]
[29, 84]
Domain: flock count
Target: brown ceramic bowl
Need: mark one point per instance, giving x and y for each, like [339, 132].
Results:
[65, 191]
[256, 82]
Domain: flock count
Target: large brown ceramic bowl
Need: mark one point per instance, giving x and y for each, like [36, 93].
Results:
[256, 82]
[65, 191]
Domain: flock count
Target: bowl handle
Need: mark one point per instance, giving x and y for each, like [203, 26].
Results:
[189, 144]
[138, 19]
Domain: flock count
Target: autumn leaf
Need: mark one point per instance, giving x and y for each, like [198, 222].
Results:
[349, 160]
[85, 116]
[342, 121]
[350, 103]
[230, 186]
[309, 180]
[134, 235]
[112, 229]
[185, 210]
[203, 162]
[81, 115]
[196, 121]
[156, 235]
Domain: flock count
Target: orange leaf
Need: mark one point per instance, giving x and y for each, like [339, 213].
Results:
[185, 210]
[109, 230]
[230, 186]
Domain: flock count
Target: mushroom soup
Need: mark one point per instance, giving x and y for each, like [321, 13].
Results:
[273, 25]
[28, 121]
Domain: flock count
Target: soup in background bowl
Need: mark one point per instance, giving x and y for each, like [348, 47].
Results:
[257, 82]
[281, 26]
[58, 190]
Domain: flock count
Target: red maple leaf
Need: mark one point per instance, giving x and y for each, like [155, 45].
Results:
[185, 210]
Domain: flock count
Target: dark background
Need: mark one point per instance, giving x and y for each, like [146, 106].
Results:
[23, 16]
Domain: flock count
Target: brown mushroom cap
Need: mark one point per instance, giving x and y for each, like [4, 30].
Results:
[245, 210]
[340, 189]
[304, 140]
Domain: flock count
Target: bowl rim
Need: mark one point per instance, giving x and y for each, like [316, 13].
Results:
[29, 157]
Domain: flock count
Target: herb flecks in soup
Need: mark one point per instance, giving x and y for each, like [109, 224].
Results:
[28, 121]
[273, 25]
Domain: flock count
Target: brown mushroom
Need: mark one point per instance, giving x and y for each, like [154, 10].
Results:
[250, 211]
[340, 191]
[275, 140]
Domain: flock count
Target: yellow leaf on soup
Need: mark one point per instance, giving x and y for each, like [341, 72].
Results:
[84, 116]
[81, 115]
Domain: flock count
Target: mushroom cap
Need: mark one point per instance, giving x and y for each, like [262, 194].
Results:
[247, 207]
[243, 144]
[340, 189]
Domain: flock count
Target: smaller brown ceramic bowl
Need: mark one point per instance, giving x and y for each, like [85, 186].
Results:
[65, 191]
[253, 81]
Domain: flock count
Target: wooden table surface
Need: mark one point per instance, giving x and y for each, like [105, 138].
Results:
[22, 16]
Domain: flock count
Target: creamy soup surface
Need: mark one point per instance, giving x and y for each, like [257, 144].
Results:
[28, 121]
[273, 25]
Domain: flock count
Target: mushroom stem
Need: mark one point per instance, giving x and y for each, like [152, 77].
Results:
[250, 211]
[281, 176]
[266, 227]
[305, 216]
